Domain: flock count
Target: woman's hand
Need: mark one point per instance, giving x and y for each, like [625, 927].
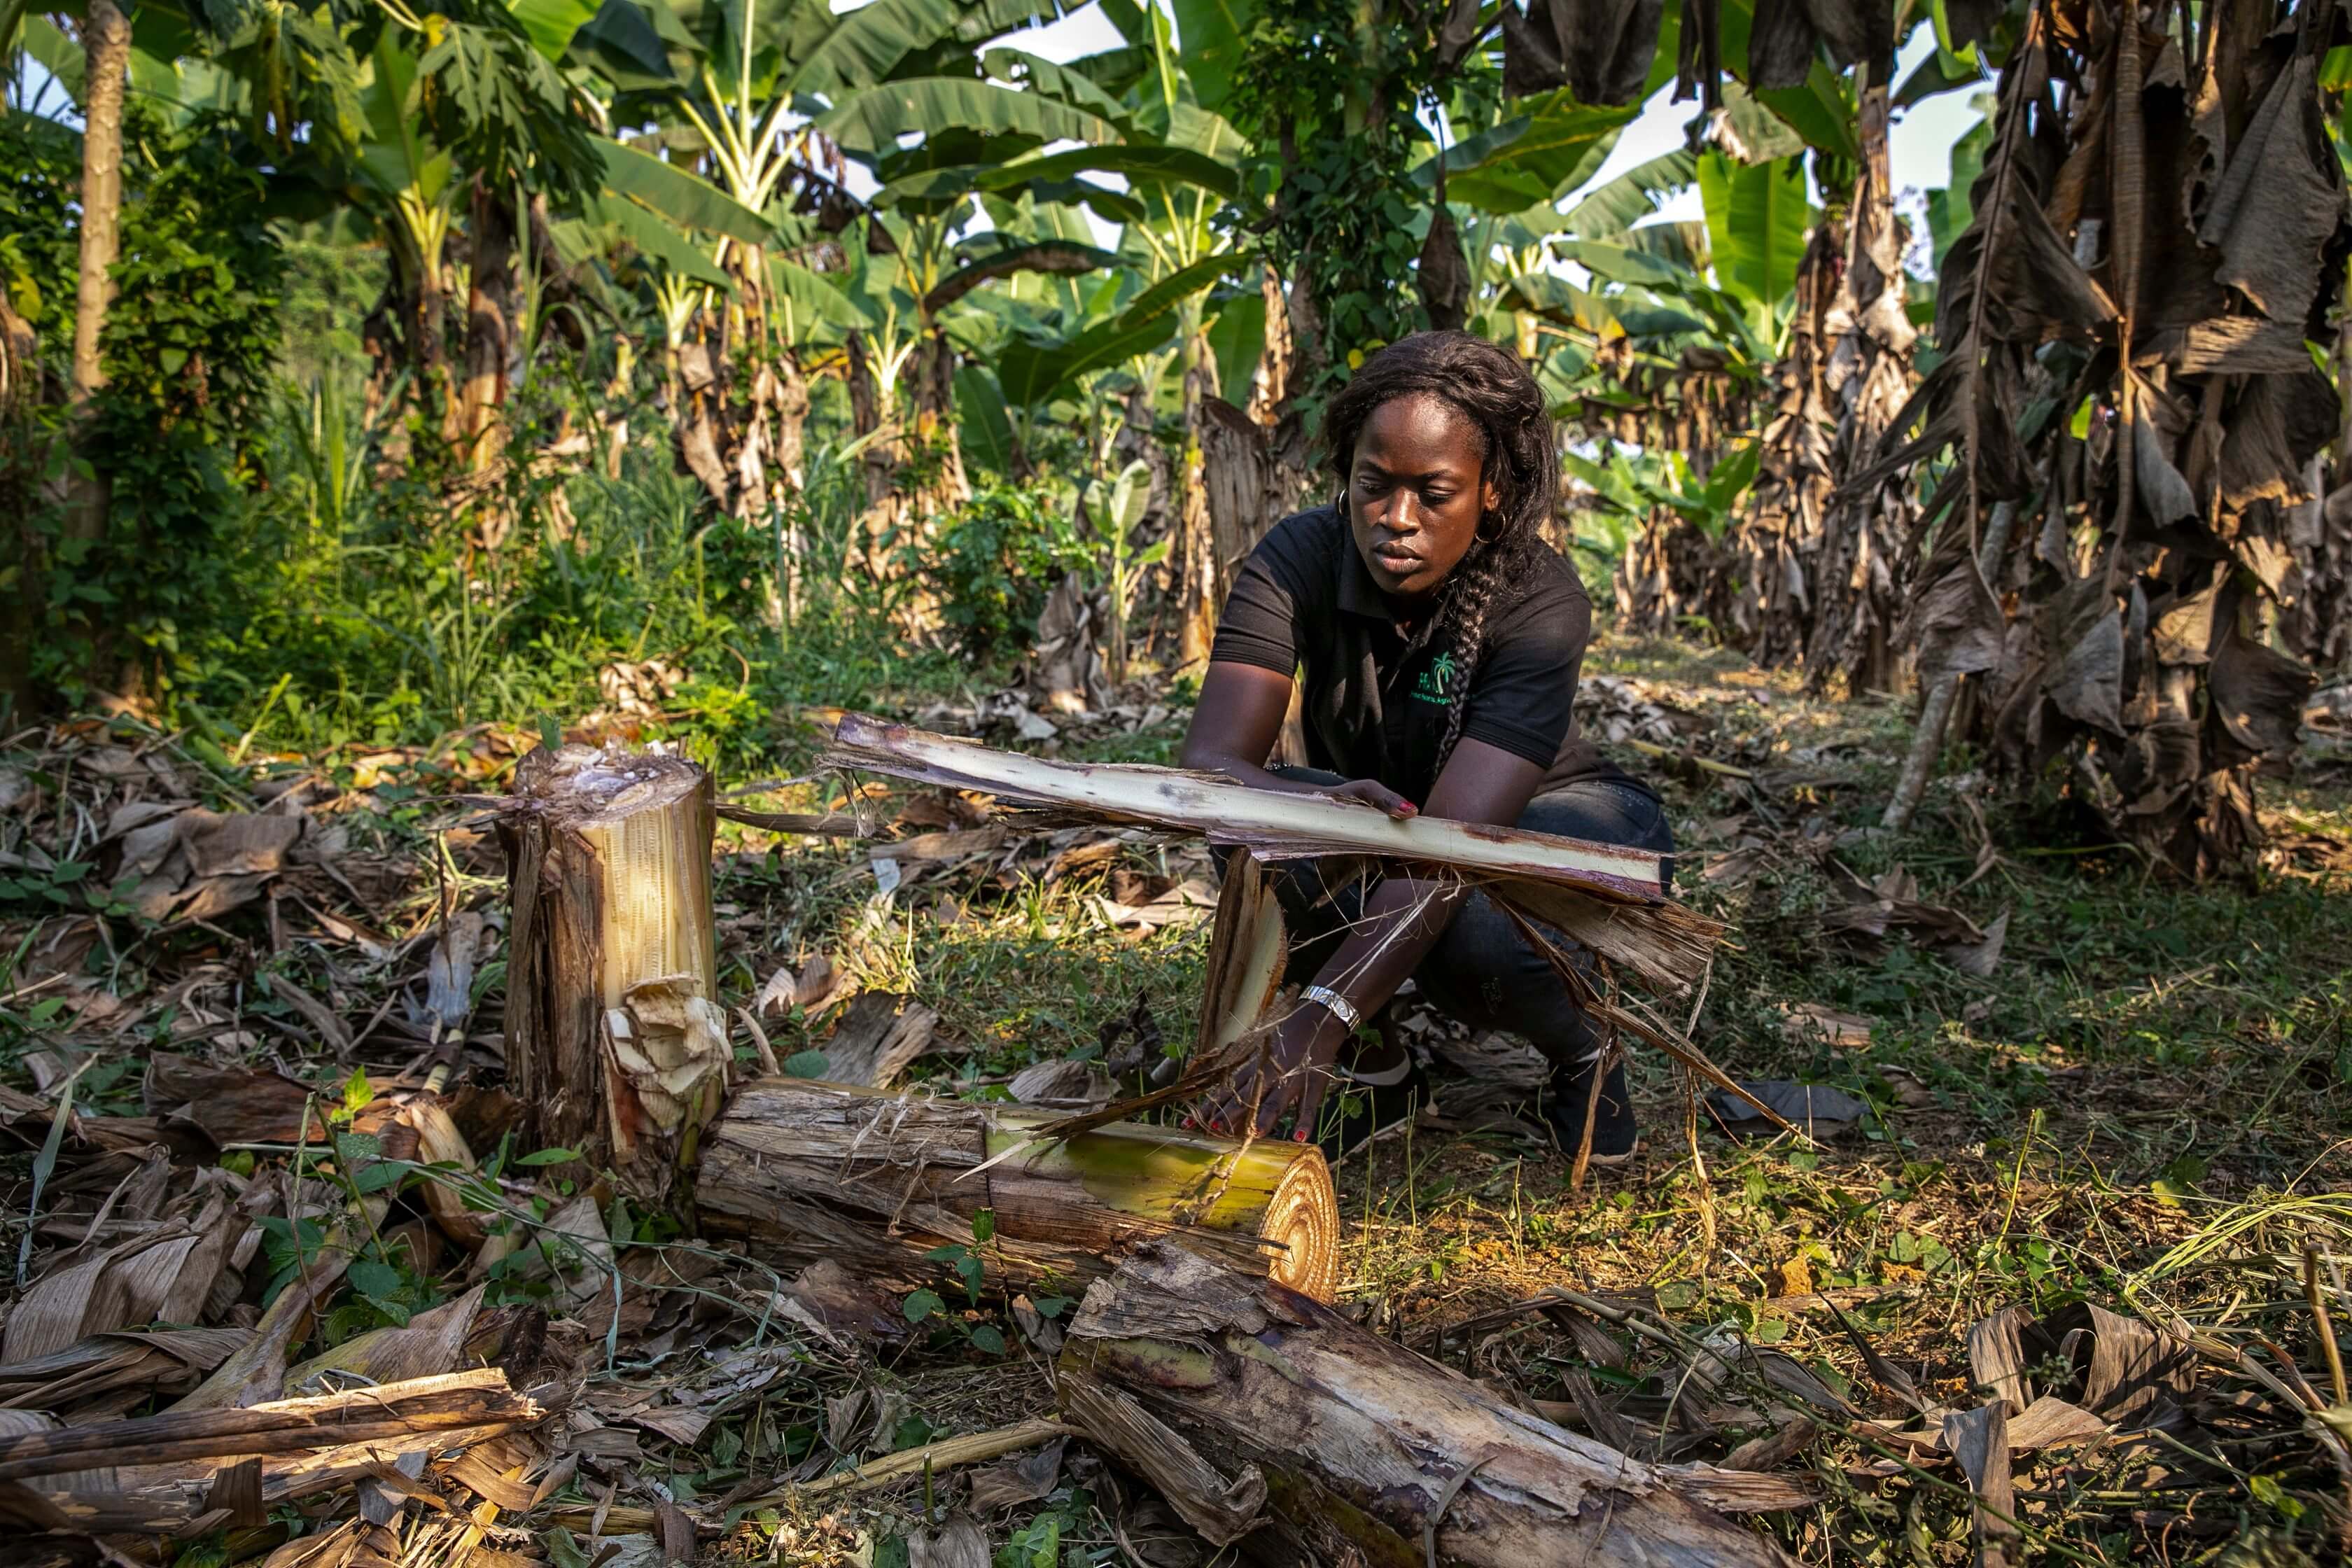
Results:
[1372, 793]
[1296, 1072]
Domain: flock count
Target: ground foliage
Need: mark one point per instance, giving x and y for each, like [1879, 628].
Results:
[2135, 1108]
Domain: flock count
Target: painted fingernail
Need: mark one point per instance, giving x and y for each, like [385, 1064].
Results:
[1299, 1136]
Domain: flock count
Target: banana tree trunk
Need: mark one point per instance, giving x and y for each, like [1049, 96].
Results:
[792, 419]
[802, 1171]
[879, 460]
[1773, 550]
[1860, 585]
[489, 327]
[428, 319]
[2319, 627]
[1198, 598]
[943, 486]
[747, 367]
[106, 46]
[698, 408]
[21, 558]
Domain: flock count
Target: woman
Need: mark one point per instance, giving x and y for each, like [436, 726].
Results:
[1439, 639]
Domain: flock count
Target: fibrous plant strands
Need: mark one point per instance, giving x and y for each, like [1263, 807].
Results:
[616, 1045]
[156, 1474]
[1601, 895]
[1363, 1451]
[802, 1169]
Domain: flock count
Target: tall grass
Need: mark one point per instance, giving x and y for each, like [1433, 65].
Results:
[380, 612]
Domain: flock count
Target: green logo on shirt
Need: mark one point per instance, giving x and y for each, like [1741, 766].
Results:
[1437, 683]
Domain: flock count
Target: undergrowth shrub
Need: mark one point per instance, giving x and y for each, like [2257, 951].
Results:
[994, 564]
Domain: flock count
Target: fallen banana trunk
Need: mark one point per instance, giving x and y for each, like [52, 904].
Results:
[615, 1042]
[1603, 896]
[802, 1171]
[1266, 1418]
[176, 1471]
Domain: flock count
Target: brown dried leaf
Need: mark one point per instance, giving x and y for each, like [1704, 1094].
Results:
[878, 1036]
[1979, 1439]
[2000, 1348]
[2258, 695]
[2132, 1370]
[1029, 1479]
[432, 1343]
[2086, 634]
[2278, 204]
[846, 1305]
[1064, 1085]
[1956, 624]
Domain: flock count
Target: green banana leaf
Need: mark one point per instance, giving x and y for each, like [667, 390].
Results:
[1612, 208]
[1138, 165]
[655, 238]
[677, 194]
[1757, 219]
[1033, 375]
[1540, 155]
[983, 428]
[552, 23]
[871, 120]
[866, 44]
[1215, 35]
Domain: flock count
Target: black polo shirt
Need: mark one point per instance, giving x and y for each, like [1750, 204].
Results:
[1305, 600]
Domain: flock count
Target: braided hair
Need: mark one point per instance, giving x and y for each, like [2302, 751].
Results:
[1491, 388]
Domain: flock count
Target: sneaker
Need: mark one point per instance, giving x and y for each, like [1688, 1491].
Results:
[1358, 1109]
[1615, 1139]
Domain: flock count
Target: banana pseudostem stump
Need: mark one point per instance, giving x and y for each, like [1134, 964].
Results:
[616, 1045]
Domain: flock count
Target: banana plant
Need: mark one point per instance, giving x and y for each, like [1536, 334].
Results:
[408, 184]
[1116, 507]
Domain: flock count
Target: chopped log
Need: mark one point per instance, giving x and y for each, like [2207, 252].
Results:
[1200, 1378]
[1603, 896]
[802, 1171]
[616, 1045]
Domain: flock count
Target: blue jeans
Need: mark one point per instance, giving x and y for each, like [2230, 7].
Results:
[1480, 971]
